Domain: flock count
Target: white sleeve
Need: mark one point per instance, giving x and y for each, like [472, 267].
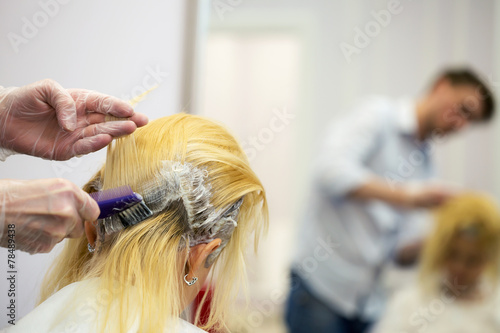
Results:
[341, 166]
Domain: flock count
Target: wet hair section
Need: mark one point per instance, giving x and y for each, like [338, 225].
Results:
[185, 189]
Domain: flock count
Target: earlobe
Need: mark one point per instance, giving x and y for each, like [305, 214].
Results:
[90, 231]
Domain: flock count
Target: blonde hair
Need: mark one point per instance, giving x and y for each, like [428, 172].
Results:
[467, 214]
[145, 264]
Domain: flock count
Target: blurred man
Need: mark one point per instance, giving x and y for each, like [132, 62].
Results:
[364, 193]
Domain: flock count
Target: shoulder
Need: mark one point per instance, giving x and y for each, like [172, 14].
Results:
[67, 295]
[406, 298]
[371, 111]
[377, 104]
[53, 312]
[496, 304]
[397, 316]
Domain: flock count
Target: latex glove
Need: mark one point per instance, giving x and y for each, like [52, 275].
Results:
[43, 119]
[44, 212]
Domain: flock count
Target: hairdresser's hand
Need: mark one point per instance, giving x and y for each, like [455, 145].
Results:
[43, 119]
[43, 212]
[427, 196]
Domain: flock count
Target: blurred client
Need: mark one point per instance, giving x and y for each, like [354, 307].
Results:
[459, 271]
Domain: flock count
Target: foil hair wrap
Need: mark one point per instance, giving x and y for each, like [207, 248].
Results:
[182, 183]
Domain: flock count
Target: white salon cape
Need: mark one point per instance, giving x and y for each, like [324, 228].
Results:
[344, 244]
[52, 315]
[410, 312]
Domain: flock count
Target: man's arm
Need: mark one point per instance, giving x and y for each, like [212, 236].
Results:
[341, 170]
[350, 141]
[403, 196]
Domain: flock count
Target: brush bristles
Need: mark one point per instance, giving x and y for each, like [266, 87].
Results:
[135, 214]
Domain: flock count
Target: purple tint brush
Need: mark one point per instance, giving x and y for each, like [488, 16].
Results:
[122, 201]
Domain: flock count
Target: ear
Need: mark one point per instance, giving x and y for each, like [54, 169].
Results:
[440, 84]
[90, 232]
[198, 255]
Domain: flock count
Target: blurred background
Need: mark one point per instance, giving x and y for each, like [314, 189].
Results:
[275, 72]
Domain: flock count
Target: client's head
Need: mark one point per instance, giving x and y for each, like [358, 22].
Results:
[206, 201]
[465, 244]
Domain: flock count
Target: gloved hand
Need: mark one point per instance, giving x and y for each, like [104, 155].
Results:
[43, 119]
[44, 212]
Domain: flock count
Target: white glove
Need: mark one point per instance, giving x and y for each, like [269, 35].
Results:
[44, 212]
[43, 119]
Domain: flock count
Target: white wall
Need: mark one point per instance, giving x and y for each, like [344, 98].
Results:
[108, 46]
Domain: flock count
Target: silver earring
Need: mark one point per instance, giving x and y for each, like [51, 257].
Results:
[193, 280]
[91, 248]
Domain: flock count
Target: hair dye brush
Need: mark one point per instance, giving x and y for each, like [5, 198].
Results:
[123, 203]
[121, 207]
